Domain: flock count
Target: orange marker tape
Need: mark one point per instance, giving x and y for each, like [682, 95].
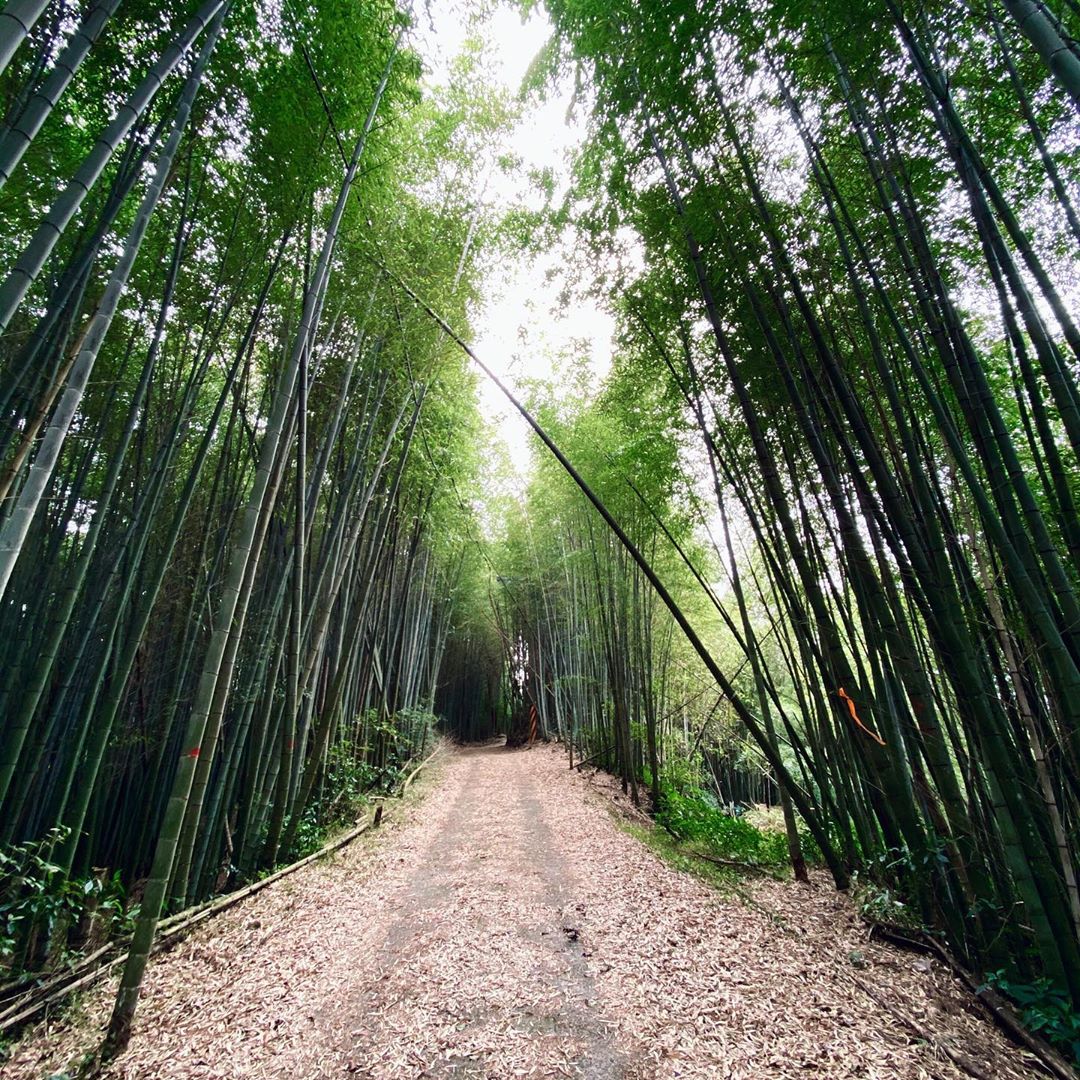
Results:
[855, 716]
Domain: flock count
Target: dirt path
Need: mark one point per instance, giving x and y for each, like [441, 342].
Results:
[508, 927]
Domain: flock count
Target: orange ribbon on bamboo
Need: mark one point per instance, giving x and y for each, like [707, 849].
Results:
[855, 716]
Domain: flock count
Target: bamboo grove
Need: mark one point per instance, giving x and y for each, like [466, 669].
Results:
[841, 243]
[228, 554]
[814, 542]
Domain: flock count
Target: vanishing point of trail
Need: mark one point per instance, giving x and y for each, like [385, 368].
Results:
[506, 926]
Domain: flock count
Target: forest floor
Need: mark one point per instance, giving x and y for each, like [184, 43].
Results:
[504, 923]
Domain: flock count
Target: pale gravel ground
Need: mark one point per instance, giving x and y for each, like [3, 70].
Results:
[506, 927]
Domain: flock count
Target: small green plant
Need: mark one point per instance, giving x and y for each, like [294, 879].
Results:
[311, 834]
[355, 771]
[888, 879]
[879, 904]
[112, 906]
[1044, 1009]
[416, 730]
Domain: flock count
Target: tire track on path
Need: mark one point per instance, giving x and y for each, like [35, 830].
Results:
[482, 955]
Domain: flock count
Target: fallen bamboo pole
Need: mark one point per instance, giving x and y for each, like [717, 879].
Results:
[589, 760]
[999, 1010]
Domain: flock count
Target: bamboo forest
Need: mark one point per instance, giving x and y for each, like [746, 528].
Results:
[540, 538]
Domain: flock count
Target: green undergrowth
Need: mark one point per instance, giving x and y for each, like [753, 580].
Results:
[755, 838]
[37, 900]
[388, 793]
[357, 774]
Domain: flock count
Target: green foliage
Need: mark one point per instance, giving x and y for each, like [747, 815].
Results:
[35, 893]
[311, 834]
[888, 881]
[691, 817]
[1044, 1009]
[678, 774]
[416, 729]
[356, 770]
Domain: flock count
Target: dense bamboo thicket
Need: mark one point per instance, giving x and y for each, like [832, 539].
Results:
[228, 550]
[856, 319]
[814, 543]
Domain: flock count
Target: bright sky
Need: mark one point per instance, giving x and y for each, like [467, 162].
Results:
[520, 327]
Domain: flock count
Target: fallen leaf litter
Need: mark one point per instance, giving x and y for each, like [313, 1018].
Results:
[506, 927]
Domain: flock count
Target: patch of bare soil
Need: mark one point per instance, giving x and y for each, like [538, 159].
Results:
[506, 927]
